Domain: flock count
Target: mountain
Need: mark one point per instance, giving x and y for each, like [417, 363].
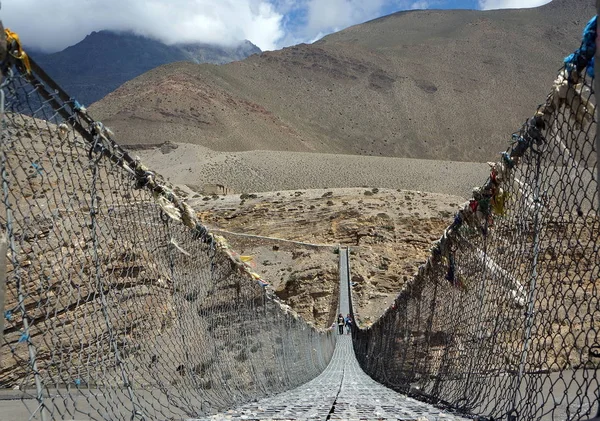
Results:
[432, 84]
[105, 60]
[206, 53]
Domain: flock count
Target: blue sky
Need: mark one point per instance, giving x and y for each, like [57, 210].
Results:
[449, 4]
[270, 24]
[308, 20]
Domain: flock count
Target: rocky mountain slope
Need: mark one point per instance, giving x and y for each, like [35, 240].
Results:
[105, 60]
[292, 237]
[445, 85]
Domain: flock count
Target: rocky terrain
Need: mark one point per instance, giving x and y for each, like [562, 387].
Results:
[292, 237]
[290, 211]
[427, 84]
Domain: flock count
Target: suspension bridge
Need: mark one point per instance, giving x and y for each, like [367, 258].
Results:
[343, 391]
[120, 304]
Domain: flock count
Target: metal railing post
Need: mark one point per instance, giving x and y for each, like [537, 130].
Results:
[596, 87]
[533, 277]
[2, 283]
[3, 247]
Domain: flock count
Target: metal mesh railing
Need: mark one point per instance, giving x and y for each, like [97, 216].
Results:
[504, 319]
[119, 304]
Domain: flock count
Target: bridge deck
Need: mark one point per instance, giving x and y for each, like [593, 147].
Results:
[342, 392]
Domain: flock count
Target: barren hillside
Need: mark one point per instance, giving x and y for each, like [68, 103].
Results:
[446, 85]
[292, 237]
[203, 170]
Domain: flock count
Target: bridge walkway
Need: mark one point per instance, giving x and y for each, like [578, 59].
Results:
[342, 392]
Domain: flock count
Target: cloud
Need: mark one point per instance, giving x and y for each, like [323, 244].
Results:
[317, 18]
[270, 24]
[336, 14]
[510, 4]
[420, 5]
[53, 25]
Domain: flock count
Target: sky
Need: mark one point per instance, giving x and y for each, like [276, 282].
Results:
[52, 25]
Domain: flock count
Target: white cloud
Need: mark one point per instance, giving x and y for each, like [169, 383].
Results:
[286, 6]
[53, 25]
[325, 16]
[333, 15]
[420, 5]
[510, 4]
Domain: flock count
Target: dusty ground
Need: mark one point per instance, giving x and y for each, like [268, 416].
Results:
[261, 171]
[389, 231]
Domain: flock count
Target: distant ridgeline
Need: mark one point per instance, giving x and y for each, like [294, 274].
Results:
[105, 60]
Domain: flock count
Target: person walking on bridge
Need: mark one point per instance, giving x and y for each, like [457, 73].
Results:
[348, 321]
[340, 322]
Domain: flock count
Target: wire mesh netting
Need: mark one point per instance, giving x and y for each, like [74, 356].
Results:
[118, 303]
[504, 319]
